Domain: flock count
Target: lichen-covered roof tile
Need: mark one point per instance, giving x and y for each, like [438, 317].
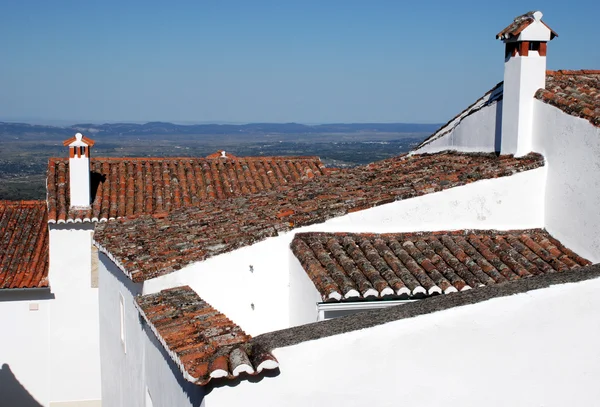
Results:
[124, 187]
[23, 244]
[341, 265]
[149, 246]
[574, 92]
[204, 343]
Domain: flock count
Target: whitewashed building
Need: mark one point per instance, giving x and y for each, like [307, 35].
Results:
[49, 299]
[460, 268]
[460, 274]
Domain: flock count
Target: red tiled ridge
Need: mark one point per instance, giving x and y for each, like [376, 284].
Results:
[132, 186]
[23, 244]
[204, 343]
[149, 246]
[574, 92]
[519, 24]
[347, 266]
[73, 139]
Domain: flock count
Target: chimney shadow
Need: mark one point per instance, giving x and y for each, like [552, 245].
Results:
[95, 180]
[12, 392]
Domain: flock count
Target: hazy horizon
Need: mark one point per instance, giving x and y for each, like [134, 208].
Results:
[67, 123]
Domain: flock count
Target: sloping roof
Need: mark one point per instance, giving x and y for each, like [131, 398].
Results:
[204, 343]
[519, 24]
[23, 244]
[574, 92]
[355, 266]
[132, 186]
[149, 246]
[492, 96]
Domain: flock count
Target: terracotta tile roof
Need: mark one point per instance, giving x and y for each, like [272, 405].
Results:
[356, 266]
[202, 341]
[574, 92]
[23, 244]
[519, 24]
[149, 246]
[132, 186]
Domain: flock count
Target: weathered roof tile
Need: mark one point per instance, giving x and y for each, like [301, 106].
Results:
[149, 246]
[124, 187]
[204, 343]
[23, 244]
[574, 92]
[349, 266]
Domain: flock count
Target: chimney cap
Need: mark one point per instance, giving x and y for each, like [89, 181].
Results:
[221, 154]
[79, 140]
[520, 23]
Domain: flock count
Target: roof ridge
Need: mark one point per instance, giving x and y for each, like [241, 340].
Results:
[574, 72]
[21, 202]
[252, 157]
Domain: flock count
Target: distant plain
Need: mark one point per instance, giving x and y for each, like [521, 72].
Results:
[24, 155]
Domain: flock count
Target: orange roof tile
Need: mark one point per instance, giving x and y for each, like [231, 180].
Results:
[23, 244]
[132, 186]
[574, 92]
[350, 266]
[171, 241]
[519, 24]
[204, 343]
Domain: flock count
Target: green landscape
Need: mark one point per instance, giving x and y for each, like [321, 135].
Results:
[25, 149]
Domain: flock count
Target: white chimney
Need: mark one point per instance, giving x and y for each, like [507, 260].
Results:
[79, 170]
[524, 73]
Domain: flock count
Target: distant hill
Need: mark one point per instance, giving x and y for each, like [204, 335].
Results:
[156, 128]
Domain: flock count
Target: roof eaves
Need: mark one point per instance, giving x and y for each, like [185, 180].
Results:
[318, 330]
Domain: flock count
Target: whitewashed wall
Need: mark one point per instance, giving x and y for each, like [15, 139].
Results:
[24, 341]
[258, 300]
[538, 348]
[303, 294]
[572, 149]
[123, 382]
[165, 384]
[74, 360]
[478, 128]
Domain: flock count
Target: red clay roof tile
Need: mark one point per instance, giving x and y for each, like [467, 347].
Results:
[23, 244]
[574, 92]
[149, 246]
[131, 186]
[519, 24]
[204, 343]
[349, 266]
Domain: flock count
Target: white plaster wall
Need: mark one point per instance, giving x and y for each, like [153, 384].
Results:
[74, 331]
[164, 380]
[523, 76]
[226, 282]
[475, 129]
[572, 149]
[24, 343]
[123, 382]
[534, 349]
[79, 181]
[303, 294]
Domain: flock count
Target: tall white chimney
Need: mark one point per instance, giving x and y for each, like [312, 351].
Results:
[526, 42]
[79, 170]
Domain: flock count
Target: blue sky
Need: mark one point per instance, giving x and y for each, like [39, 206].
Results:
[266, 61]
